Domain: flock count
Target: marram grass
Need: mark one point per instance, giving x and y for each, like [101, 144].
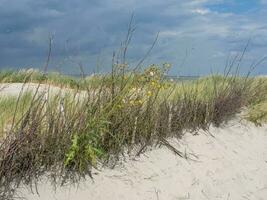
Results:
[64, 136]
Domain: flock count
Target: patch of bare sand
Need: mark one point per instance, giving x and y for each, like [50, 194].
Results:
[232, 165]
[15, 89]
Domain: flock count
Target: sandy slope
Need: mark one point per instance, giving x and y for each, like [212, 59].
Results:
[231, 165]
[16, 88]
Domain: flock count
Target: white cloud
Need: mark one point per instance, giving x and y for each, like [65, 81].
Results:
[170, 33]
[200, 11]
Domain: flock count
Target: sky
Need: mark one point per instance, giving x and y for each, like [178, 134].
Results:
[197, 37]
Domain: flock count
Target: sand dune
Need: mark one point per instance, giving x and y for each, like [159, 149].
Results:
[16, 88]
[232, 165]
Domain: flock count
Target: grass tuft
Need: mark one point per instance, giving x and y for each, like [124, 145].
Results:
[64, 136]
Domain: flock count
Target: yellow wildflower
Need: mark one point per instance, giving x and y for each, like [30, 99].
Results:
[149, 93]
[140, 102]
[153, 83]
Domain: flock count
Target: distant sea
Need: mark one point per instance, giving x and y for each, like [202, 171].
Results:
[174, 78]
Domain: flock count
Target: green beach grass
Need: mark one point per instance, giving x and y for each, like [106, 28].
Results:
[64, 137]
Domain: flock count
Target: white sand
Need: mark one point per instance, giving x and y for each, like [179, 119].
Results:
[231, 166]
[15, 88]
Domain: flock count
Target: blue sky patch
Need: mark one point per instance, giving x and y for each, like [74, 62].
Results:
[235, 6]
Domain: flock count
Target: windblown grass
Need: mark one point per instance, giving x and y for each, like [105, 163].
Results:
[35, 76]
[65, 136]
[257, 110]
[8, 108]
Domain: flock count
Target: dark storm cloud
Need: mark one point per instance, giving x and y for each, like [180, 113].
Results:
[87, 29]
